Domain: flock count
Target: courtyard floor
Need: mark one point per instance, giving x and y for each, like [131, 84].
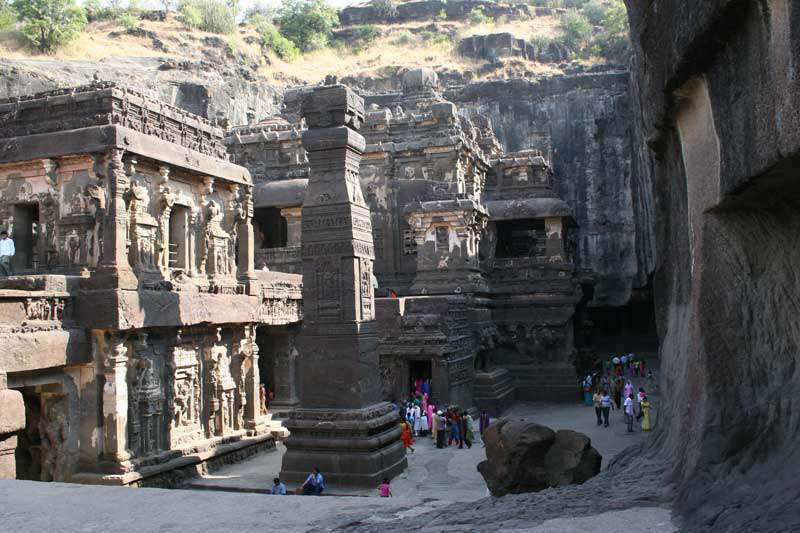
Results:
[449, 474]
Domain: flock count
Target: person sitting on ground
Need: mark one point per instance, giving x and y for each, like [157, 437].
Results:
[385, 488]
[278, 488]
[313, 484]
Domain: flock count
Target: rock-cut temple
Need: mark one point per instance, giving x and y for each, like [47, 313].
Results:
[169, 272]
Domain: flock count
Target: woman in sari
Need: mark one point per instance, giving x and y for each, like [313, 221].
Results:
[405, 436]
[644, 405]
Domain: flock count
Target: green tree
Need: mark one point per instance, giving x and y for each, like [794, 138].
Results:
[476, 16]
[271, 39]
[577, 31]
[612, 40]
[214, 16]
[7, 15]
[307, 23]
[48, 24]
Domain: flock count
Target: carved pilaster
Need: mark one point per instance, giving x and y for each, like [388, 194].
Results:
[114, 269]
[114, 354]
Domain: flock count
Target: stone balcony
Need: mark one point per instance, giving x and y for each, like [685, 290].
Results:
[285, 259]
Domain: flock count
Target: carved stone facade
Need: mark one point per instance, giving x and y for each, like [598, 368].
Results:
[467, 230]
[131, 325]
[339, 378]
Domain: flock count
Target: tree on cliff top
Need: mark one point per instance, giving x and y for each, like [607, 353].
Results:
[307, 23]
[7, 15]
[48, 24]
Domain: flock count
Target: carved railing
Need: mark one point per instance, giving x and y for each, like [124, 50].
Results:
[286, 259]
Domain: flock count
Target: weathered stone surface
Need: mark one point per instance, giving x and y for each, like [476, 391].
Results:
[571, 459]
[720, 112]
[515, 457]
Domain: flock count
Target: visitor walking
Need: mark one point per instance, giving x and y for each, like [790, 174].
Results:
[278, 488]
[455, 430]
[469, 430]
[314, 483]
[385, 489]
[606, 405]
[405, 436]
[645, 406]
[7, 251]
[440, 429]
[434, 426]
[483, 424]
[598, 410]
[629, 412]
[415, 419]
[424, 426]
[616, 391]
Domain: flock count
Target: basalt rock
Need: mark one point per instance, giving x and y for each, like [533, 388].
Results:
[718, 119]
[528, 457]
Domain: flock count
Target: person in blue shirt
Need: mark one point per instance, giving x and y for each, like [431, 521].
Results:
[278, 488]
[314, 483]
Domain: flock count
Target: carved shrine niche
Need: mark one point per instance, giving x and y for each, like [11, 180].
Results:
[327, 281]
[221, 391]
[366, 289]
[185, 426]
[144, 231]
[217, 244]
[146, 400]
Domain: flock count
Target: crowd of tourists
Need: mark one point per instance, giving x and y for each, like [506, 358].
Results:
[610, 387]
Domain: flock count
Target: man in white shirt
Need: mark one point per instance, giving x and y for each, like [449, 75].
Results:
[6, 253]
[629, 412]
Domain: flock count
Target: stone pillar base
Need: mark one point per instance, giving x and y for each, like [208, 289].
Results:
[494, 391]
[12, 420]
[352, 447]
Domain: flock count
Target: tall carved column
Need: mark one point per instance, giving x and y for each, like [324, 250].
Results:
[246, 236]
[114, 355]
[252, 380]
[114, 270]
[341, 426]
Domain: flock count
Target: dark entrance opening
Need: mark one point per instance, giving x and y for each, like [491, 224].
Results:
[419, 370]
[178, 237]
[28, 455]
[26, 233]
[271, 227]
[520, 238]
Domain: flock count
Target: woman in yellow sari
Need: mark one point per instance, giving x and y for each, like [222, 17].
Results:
[644, 405]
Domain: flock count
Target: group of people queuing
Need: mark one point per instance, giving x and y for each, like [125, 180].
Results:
[446, 427]
[607, 389]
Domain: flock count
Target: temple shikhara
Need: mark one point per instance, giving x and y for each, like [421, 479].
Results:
[168, 272]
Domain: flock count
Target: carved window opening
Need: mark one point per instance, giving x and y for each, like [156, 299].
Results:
[520, 238]
[409, 242]
[26, 237]
[442, 238]
[179, 237]
[270, 228]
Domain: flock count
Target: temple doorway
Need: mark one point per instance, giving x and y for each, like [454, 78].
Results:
[419, 370]
[26, 226]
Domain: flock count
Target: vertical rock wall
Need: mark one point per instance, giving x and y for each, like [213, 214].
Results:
[585, 123]
[719, 107]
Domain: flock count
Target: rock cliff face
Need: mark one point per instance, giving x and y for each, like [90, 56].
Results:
[719, 101]
[227, 94]
[584, 122]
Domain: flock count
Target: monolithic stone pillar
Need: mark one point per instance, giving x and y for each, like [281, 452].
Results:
[252, 409]
[12, 420]
[284, 370]
[293, 226]
[247, 237]
[114, 270]
[115, 400]
[341, 426]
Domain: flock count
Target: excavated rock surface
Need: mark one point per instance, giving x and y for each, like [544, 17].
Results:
[584, 122]
[634, 479]
[719, 107]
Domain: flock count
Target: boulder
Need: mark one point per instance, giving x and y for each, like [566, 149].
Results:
[528, 457]
[571, 459]
[515, 452]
